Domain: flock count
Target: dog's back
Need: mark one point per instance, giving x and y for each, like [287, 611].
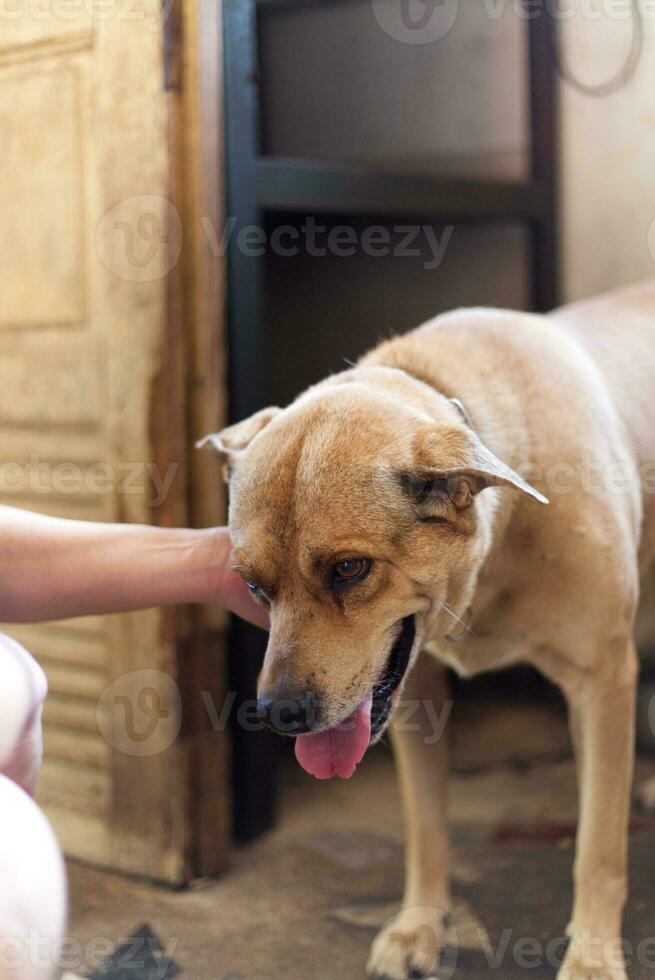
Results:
[618, 331]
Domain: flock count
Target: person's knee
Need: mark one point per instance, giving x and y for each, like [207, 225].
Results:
[23, 688]
[32, 888]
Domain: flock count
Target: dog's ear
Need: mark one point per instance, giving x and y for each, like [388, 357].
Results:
[233, 440]
[454, 464]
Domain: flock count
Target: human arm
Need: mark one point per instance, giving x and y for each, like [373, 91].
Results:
[52, 568]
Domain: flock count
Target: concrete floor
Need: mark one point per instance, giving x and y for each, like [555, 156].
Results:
[304, 902]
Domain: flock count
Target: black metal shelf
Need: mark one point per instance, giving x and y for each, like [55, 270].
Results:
[311, 186]
[259, 184]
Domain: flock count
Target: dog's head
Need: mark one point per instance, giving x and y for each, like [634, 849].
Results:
[357, 516]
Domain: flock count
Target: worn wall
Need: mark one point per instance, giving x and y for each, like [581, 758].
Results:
[608, 159]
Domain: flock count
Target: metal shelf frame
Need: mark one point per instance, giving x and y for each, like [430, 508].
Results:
[259, 185]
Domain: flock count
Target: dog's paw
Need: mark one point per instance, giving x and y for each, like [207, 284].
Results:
[579, 965]
[411, 945]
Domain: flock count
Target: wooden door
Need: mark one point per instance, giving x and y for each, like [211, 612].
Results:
[99, 287]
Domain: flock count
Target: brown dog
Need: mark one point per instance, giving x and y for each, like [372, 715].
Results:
[398, 507]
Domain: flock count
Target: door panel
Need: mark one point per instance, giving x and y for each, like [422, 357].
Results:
[87, 238]
[41, 196]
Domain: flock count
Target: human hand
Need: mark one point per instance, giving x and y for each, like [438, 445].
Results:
[228, 589]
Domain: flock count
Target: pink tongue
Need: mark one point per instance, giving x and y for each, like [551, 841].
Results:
[339, 750]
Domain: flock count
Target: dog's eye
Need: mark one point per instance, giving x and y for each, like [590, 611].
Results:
[350, 570]
[258, 593]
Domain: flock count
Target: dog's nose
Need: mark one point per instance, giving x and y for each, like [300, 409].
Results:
[291, 714]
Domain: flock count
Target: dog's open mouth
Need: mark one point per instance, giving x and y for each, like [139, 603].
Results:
[338, 751]
[394, 672]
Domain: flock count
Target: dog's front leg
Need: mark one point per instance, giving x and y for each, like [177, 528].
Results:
[603, 723]
[411, 944]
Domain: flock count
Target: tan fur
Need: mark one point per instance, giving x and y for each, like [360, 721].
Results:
[566, 401]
